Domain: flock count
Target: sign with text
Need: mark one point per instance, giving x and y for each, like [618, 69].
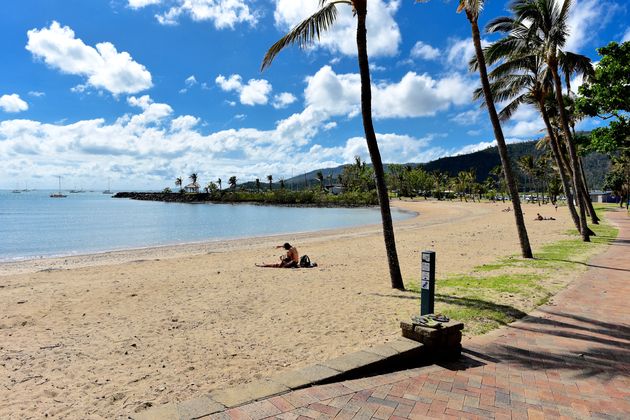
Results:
[427, 282]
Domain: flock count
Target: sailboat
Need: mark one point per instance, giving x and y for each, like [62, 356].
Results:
[58, 194]
[108, 190]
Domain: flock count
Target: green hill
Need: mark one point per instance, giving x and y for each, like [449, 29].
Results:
[596, 166]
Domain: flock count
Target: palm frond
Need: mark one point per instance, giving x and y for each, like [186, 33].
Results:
[305, 33]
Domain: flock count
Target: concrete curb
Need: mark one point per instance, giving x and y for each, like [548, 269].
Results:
[344, 367]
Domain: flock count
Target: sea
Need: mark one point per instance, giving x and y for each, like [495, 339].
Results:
[34, 225]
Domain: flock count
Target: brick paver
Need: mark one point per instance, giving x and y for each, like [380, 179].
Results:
[569, 359]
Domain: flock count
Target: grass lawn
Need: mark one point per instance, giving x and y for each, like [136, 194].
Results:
[496, 294]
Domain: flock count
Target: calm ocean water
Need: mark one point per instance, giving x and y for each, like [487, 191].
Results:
[34, 225]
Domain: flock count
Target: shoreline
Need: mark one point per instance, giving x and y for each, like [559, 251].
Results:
[107, 337]
[124, 255]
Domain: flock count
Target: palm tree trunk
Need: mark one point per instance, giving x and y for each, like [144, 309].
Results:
[577, 180]
[553, 141]
[526, 249]
[375, 155]
[589, 203]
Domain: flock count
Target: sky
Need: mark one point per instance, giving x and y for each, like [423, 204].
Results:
[140, 92]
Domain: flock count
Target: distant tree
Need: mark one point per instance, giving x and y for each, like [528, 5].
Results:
[257, 182]
[282, 183]
[178, 183]
[193, 177]
[219, 182]
[270, 179]
[320, 177]
[607, 96]
[232, 183]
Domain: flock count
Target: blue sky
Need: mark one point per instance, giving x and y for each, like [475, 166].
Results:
[144, 91]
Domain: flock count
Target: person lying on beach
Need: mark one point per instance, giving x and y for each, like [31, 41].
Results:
[539, 217]
[290, 260]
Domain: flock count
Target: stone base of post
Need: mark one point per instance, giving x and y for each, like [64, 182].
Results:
[441, 343]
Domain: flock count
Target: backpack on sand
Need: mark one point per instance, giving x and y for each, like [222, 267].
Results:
[305, 262]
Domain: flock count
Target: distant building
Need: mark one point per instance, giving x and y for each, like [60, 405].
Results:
[603, 197]
[192, 188]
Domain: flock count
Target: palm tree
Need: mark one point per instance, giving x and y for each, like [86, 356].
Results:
[219, 182]
[526, 163]
[320, 177]
[178, 183]
[520, 79]
[305, 34]
[232, 182]
[472, 8]
[270, 179]
[547, 21]
[282, 183]
[257, 182]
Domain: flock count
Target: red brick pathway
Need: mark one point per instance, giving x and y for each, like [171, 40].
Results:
[569, 359]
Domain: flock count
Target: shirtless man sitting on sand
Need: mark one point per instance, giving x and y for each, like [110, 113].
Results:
[290, 260]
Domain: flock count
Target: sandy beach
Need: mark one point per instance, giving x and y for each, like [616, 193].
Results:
[103, 336]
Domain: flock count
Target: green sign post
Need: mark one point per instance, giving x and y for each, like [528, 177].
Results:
[427, 283]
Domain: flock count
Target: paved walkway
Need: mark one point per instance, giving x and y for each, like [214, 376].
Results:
[569, 359]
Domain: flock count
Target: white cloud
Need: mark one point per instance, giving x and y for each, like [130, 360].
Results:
[383, 32]
[222, 13]
[472, 148]
[424, 51]
[36, 94]
[190, 81]
[626, 36]
[469, 117]
[283, 100]
[103, 67]
[255, 92]
[585, 16]
[394, 148]
[234, 82]
[12, 103]
[461, 51]
[137, 4]
[414, 96]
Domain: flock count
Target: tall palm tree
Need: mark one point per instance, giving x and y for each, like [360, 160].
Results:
[472, 8]
[232, 182]
[257, 182]
[270, 179]
[522, 78]
[219, 182]
[178, 182]
[305, 34]
[547, 21]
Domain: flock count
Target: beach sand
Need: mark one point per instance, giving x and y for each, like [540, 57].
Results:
[102, 336]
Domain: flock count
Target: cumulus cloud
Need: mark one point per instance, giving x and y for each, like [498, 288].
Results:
[383, 32]
[525, 122]
[424, 51]
[626, 36]
[12, 103]
[416, 95]
[461, 51]
[283, 100]
[254, 92]
[222, 13]
[103, 66]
